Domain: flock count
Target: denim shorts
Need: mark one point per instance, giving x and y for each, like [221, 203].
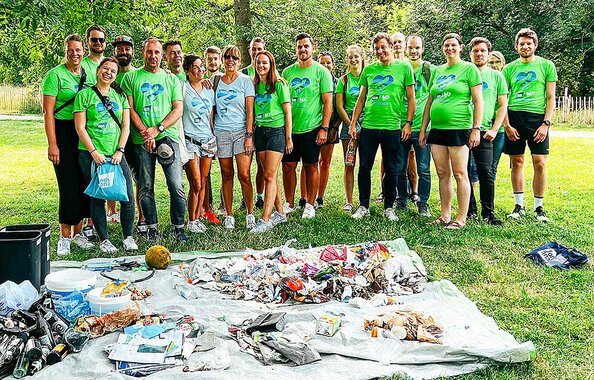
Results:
[230, 143]
[344, 130]
[196, 150]
[270, 138]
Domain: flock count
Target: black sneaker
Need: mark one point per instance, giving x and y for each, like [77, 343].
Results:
[89, 233]
[142, 229]
[423, 209]
[517, 213]
[259, 203]
[540, 214]
[302, 203]
[400, 205]
[152, 235]
[472, 215]
[319, 203]
[492, 220]
[180, 234]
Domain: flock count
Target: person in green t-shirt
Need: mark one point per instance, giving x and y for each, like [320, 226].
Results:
[347, 92]
[174, 59]
[532, 81]
[497, 62]
[272, 137]
[96, 42]
[384, 85]
[155, 99]
[455, 126]
[495, 105]
[102, 120]
[311, 107]
[59, 87]
[123, 52]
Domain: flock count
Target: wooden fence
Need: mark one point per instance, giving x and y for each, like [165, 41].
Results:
[19, 100]
[574, 110]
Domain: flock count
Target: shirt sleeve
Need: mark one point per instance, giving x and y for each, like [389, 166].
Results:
[474, 76]
[326, 85]
[506, 75]
[363, 80]
[409, 76]
[283, 92]
[127, 83]
[501, 84]
[125, 103]
[176, 90]
[79, 102]
[550, 72]
[249, 87]
[339, 86]
[50, 85]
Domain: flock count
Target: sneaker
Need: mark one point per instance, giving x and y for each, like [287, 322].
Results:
[308, 211]
[196, 227]
[262, 226]
[221, 210]
[142, 229]
[277, 218]
[130, 244]
[492, 220]
[63, 246]
[319, 203]
[379, 198]
[361, 212]
[400, 205]
[180, 234]
[287, 209]
[423, 209]
[229, 222]
[82, 241]
[540, 214]
[259, 203]
[302, 203]
[519, 212]
[472, 215]
[152, 235]
[211, 217]
[348, 207]
[89, 233]
[250, 221]
[390, 214]
[106, 247]
[113, 218]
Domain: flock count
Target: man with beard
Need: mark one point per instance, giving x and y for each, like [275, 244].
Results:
[96, 42]
[531, 81]
[494, 109]
[212, 55]
[311, 100]
[174, 59]
[123, 51]
[155, 99]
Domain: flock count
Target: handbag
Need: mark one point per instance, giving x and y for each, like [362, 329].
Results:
[108, 182]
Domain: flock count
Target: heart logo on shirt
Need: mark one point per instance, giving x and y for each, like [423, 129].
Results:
[485, 86]
[299, 84]
[100, 108]
[262, 100]
[382, 82]
[525, 78]
[418, 85]
[152, 90]
[354, 91]
[444, 80]
[197, 102]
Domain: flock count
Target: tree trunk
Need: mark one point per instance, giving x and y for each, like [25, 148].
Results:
[243, 25]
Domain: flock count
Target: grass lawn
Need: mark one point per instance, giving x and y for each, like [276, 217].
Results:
[553, 309]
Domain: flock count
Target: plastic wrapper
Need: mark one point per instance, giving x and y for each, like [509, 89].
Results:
[16, 297]
[217, 359]
[98, 326]
[72, 306]
[332, 254]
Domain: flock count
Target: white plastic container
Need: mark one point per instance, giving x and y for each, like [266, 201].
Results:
[62, 283]
[104, 305]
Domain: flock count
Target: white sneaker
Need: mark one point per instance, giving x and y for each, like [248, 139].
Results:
[63, 246]
[390, 214]
[196, 226]
[106, 247]
[347, 207]
[277, 218]
[287, 208]
[262, 226]
[130, 244]
[250, 221]
[229, 222]
[82, 241]
[114, 218]
[308, 212]
[361, 212]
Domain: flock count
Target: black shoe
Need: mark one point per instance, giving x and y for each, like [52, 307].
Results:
[180, 234]
[242, 205]
[492, 220]
[540, 214]
[319, 203]
[302, 203]
[142, 229]
[89, 233]
[400, 205]
[472, 215]
[259, 203]
[152, 235]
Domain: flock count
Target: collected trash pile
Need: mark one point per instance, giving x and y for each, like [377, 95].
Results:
[404, 325]
[314, 275]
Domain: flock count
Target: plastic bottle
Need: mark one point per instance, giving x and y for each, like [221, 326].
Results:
[185, 291]
[351, 152]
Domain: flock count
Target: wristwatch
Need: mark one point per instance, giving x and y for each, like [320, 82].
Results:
[160, 127]
[547, 123]
[408, 122]
[249, 134]
[121, 149]
[477, 127]
[325, 129]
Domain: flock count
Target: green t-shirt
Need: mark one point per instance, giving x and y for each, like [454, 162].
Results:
[307, 86]
[121, 75]
[493, 86]
[103, 130]
[181, 76]
[249, 71]
[386, 89]
[352, 93]
[527, 83]
[60, 83]
[90, 67]
[450, 89]
[153, 95]
[268, 108]
[421, 96]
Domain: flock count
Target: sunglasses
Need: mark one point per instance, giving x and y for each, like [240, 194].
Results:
[95, 40]
[494, 62]
[233, 57]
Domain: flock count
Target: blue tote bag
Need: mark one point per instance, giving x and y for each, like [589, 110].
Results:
[108, 182]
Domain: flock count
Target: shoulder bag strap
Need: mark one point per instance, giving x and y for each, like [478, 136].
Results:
[107, 106]
[81, 83]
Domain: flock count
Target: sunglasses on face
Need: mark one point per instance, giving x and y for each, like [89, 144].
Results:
[233, 57]
[494, 62]
[95, 40]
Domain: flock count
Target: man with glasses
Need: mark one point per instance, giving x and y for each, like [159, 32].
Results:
[174, 59]
[96, 44]
[155, 99]
[311, 107]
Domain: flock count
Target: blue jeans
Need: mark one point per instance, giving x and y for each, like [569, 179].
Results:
[146, 186]
[498, 143]
[423, 159]
[369, 141]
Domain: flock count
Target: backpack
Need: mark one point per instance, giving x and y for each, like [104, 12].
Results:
[426, 71]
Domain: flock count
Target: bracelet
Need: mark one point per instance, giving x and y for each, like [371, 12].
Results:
[94, 150]
[249, 134]
[325, 129]
[121, 150]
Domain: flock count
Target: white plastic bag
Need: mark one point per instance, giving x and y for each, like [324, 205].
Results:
[16, 297]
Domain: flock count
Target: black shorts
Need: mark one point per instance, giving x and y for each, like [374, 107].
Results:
[270, 138]
[449, 137]
[305, 148]
[526, 123]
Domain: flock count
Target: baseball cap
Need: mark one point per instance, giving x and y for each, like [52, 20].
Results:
[122, 40]
[165, 152]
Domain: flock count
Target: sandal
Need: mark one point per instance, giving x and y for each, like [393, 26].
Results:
[439, 222]
[455, 225]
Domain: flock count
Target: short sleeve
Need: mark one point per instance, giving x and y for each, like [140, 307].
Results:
[127, 83]
[176, 90]
[550, 72]
[474, 76]
[339, 86]
[249, 87]
[51, 84]
[409, 76]
[501, 84]
[285, 73]
[283, 92]
[79, 102]
[506, 74]
[363, 80]
[326, 83]
[125, 103]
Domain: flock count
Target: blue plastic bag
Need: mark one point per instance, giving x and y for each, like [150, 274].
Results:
[108, 182]
[556, 255]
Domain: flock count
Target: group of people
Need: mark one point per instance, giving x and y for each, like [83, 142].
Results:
[463, 114]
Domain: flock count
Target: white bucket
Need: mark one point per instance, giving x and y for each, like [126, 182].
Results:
[104, 305]
[62, 283]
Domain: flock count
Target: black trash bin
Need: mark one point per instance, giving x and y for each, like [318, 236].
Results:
[20, 253]
[44, 228]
